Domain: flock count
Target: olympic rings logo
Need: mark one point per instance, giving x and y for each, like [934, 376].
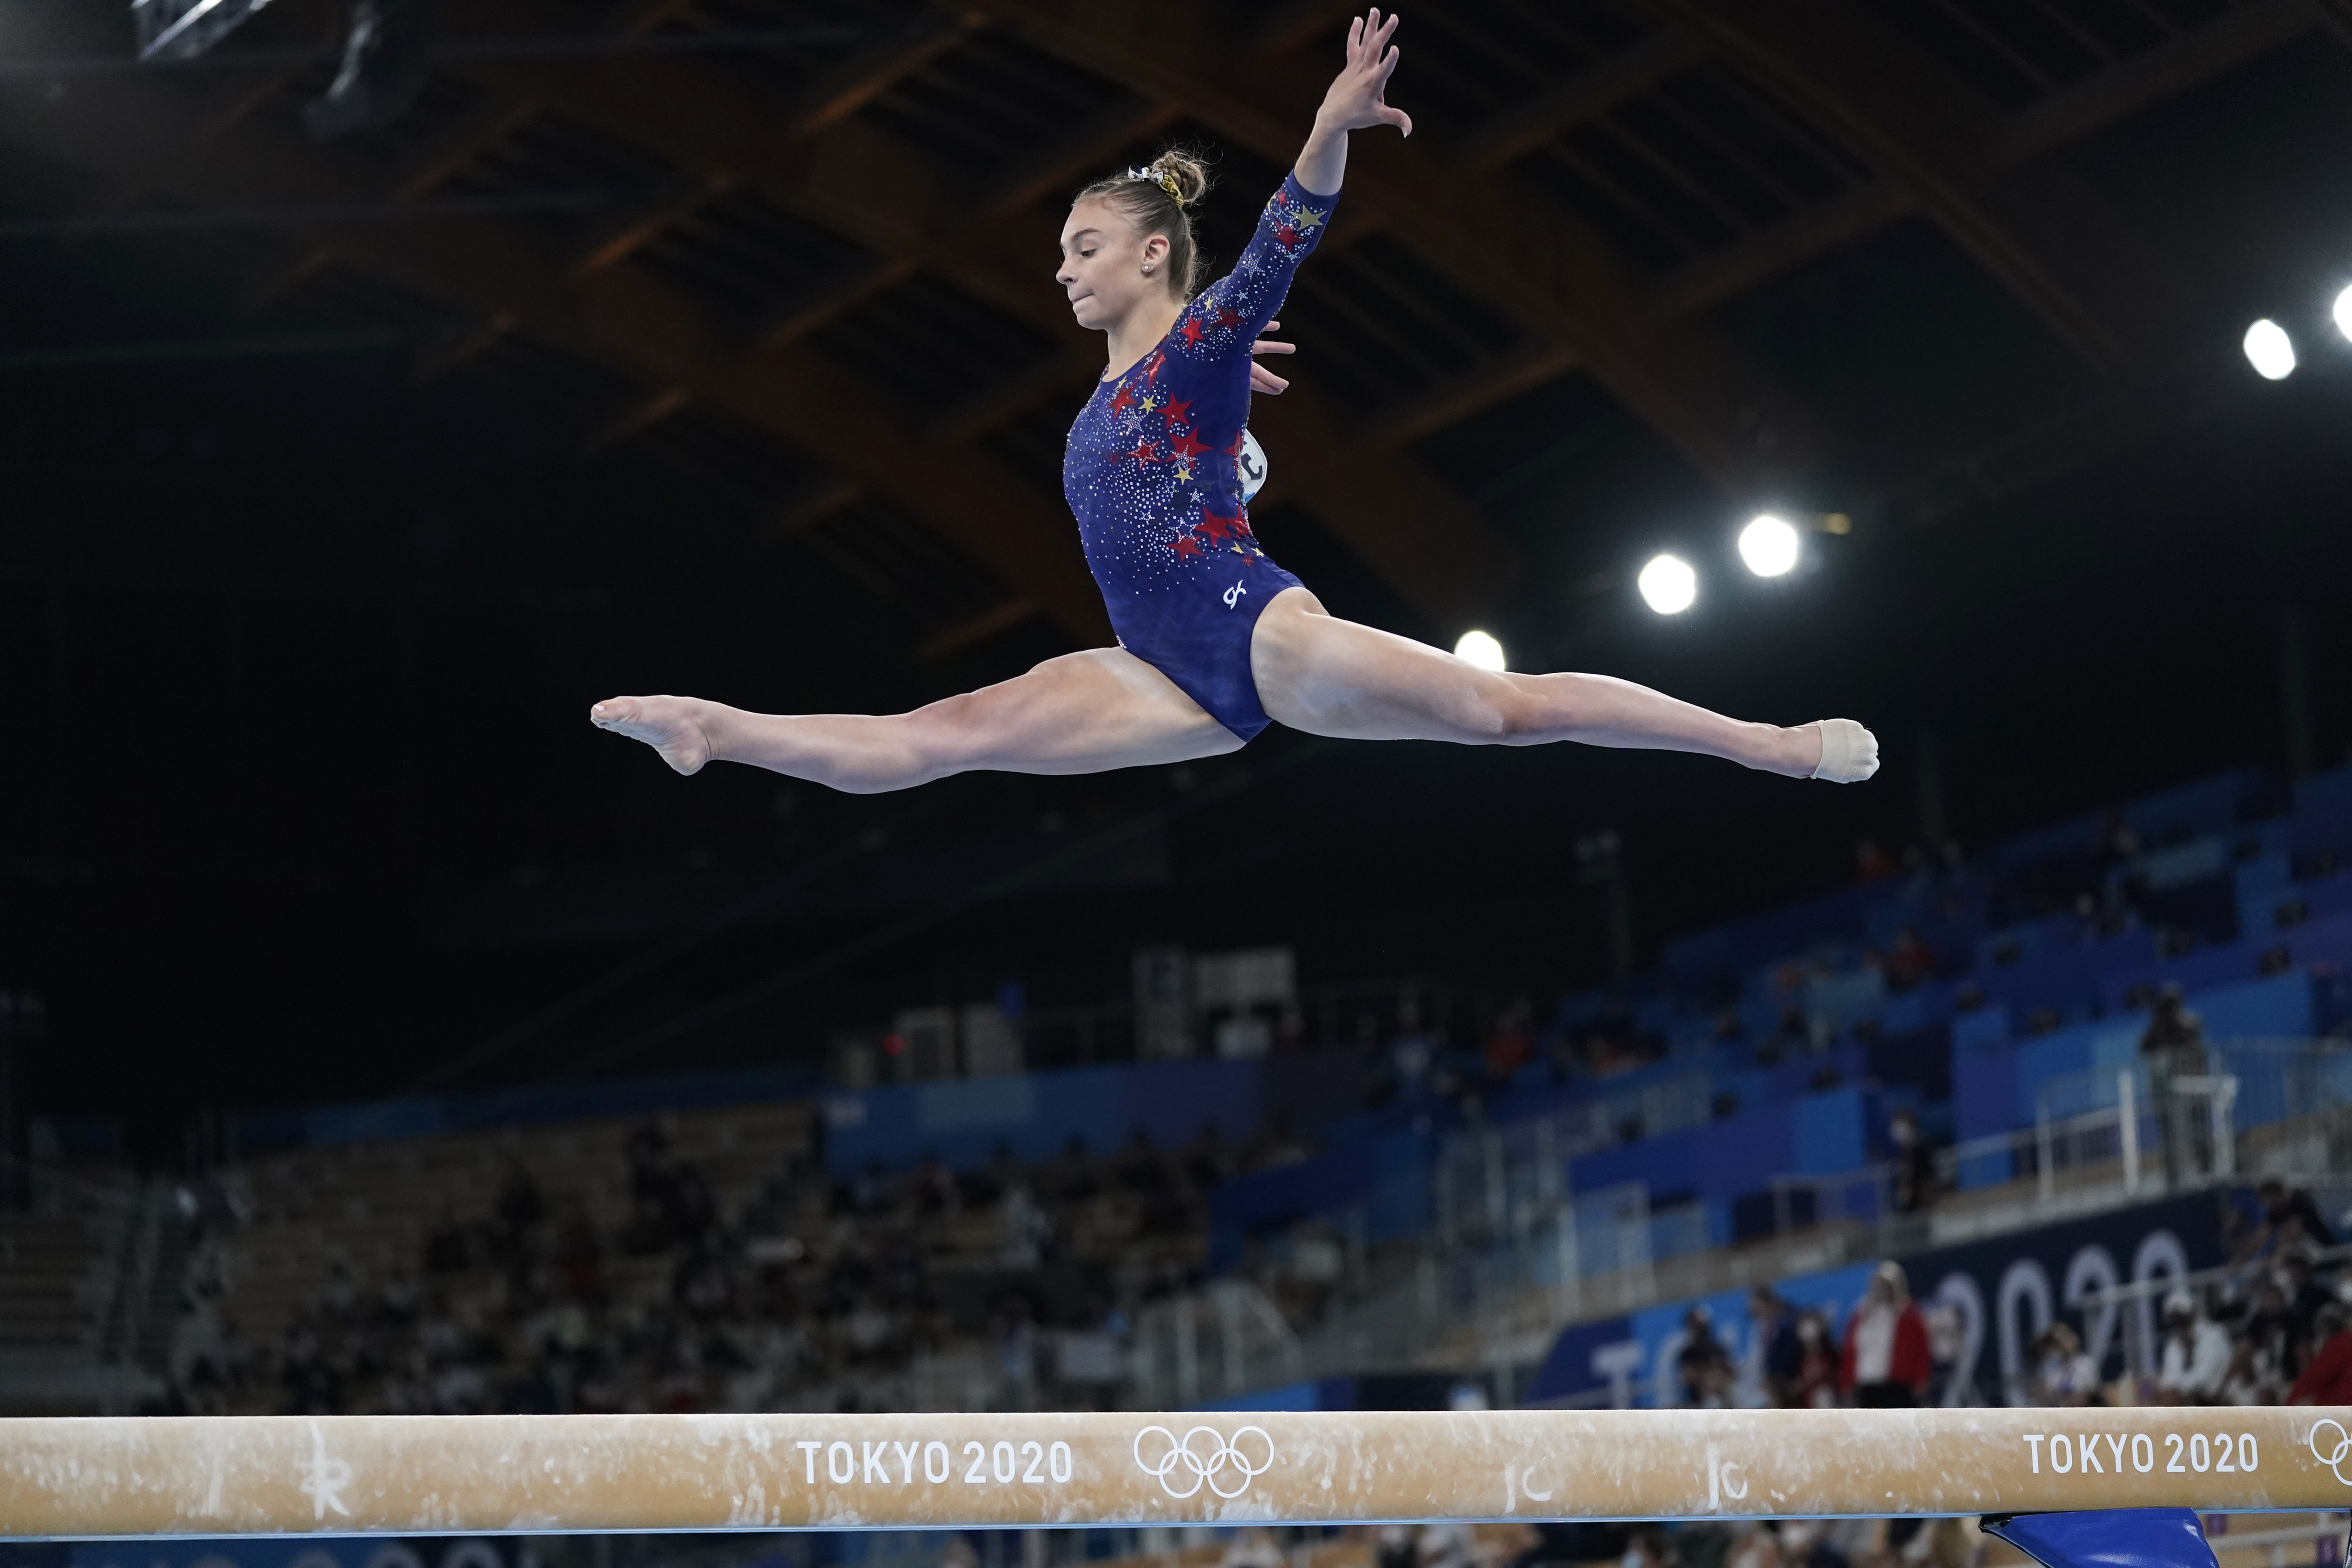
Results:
[2337, 1456]
[1223, 1468]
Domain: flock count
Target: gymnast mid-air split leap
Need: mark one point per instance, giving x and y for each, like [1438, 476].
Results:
[1216, 641]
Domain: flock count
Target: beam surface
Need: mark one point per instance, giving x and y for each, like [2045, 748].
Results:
[470, 1474]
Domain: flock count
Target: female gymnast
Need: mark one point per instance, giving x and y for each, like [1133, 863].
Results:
[1216, 641]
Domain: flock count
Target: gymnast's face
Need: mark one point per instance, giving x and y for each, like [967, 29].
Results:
[1103, 262]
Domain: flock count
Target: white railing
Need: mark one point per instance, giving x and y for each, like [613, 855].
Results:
[1442, 1291]
[1225, 1339]
[1493, 1182]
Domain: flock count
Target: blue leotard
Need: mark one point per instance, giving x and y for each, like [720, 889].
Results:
[1150, 472]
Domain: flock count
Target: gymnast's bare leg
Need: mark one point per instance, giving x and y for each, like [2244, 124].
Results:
[1329, 677]
[1104, 708]
[1081, 713]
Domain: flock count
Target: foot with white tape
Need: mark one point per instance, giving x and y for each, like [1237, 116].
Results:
[1849, 751]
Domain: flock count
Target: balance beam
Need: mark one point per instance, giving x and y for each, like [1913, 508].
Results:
[99, 1477]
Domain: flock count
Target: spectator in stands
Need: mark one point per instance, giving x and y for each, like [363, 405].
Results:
[2173, 1046]
[447, 1249]
[2257, 1371]
[2196, 1354]
[1888, 1361]
[1807, 1543]
[1509, 1046]
[1703, 1366]
[1394, 1547]
[2291, 1219]
[2305, 1300]
[1816, 1384]
[1908, 960]
[1252, 1546]
[1915, 1163]
[1779, 1356]
[1413, 1051]
[933, 1190]
[1647, 1548]
[1753, 1545]
[2327, 1379]
[2065, 1374]
[2118, 841]
[1570, 1542]
[2270, 1327]
[1445, 1544]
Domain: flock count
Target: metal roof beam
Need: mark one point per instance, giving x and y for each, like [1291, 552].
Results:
[129, 134]
[2044, 235]
[1586, 96]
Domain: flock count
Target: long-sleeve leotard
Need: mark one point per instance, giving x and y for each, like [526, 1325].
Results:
[1150, 474]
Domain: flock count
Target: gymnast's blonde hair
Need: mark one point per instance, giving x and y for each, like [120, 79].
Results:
[1158, 197]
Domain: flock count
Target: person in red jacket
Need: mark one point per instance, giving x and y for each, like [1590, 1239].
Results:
[2327, 1380]
[1888, 1360]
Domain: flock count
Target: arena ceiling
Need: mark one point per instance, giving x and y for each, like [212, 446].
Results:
[714, 348]
[802, 250]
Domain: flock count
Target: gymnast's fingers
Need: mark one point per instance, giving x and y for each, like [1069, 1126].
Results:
[1268, 346]
[1266, 381]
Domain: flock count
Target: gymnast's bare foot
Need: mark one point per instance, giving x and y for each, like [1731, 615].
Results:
[676, 727]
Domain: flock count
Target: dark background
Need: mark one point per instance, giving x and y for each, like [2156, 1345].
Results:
[298, 800]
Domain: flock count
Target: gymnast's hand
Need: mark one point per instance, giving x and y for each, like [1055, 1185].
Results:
[1357, 99]
[1262, 379]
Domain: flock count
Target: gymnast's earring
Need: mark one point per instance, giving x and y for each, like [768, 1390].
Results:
[1147, 269]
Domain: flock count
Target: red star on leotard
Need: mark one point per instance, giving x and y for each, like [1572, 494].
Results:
[1192, 330]
[1123, 400]
[1180, 411]
[1217, 526]
[1184, 545]
[1235, 450]
[1228, 318]
[1288, 235]
[1187, 447]
[1151, 369]
[1145, 452]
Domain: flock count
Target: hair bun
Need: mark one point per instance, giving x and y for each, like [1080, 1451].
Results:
[1182, 175]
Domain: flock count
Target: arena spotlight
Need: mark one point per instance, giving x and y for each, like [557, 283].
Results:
[1668, 584]
[2269, 350]
[1479, 649]
[2344, 311]
[1769, 546]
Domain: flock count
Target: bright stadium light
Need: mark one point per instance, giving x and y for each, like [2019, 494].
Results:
[1769, 546]
[1668, 584]
[2269, 350]
[2344, 311]
[1478, 648]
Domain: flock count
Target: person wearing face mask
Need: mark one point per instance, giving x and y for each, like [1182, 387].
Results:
[1889, 1358]
[1815, 1386]
[1777, 1354]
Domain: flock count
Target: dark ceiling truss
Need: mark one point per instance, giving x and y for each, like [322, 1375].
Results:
[814, 278]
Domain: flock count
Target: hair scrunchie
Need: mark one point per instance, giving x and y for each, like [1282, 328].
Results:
[1163, 178]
